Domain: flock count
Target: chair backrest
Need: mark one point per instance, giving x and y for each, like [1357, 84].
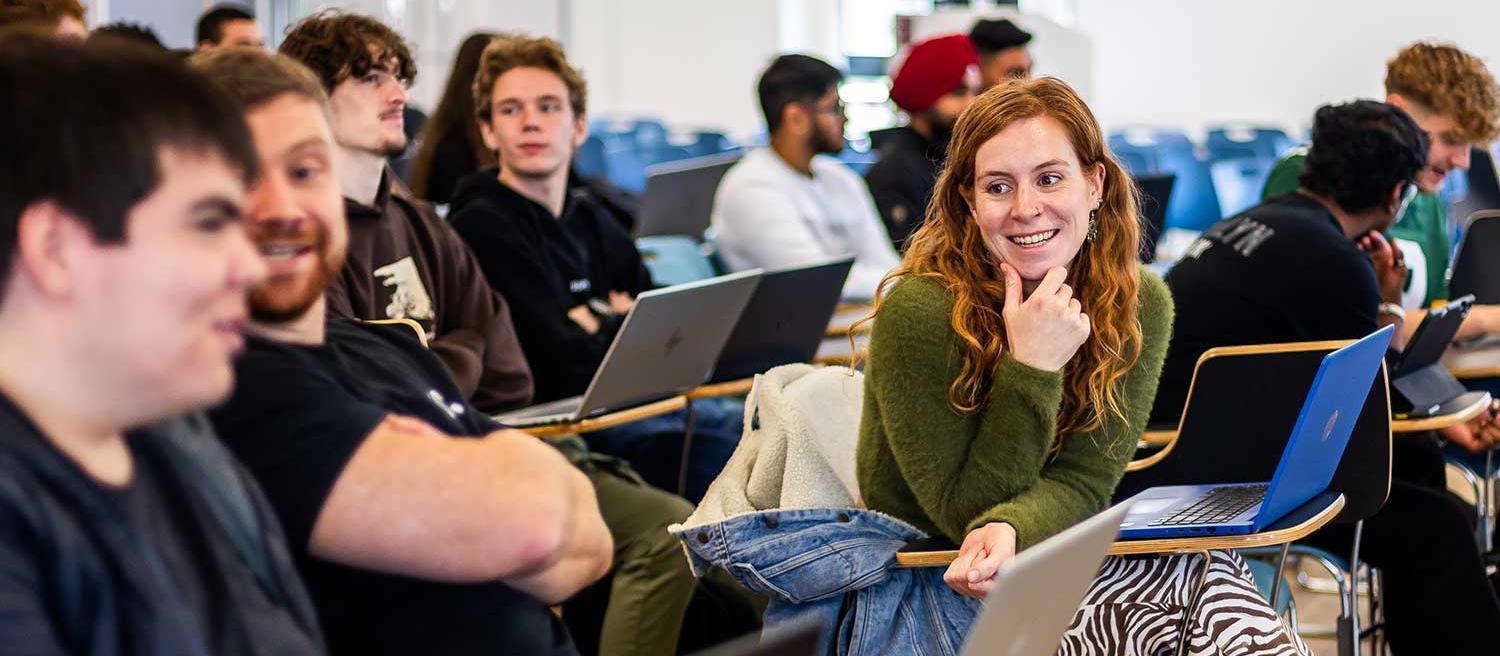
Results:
[1238, 141]
[1483, 184]
[1476, 266]
[1238, 182]
[589, 160]
[1194, 204]
[674, 259]
[1242, 404]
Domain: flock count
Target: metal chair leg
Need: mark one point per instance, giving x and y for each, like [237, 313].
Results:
[1348, 624]
[687, 449]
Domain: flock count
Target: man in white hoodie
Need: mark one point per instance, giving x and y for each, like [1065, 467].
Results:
[784, 205]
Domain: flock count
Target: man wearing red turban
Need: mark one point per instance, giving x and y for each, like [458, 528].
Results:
[933, 84]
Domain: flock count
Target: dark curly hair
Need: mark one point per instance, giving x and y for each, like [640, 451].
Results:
[133, 32]
[1360, 151]
[338, 45]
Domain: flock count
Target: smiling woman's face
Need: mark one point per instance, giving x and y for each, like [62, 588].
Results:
[1032, 198]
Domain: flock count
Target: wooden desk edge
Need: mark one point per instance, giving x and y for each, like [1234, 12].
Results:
[1170, 545]
[1470, 373]
[653, 409]
[1440, 422]
[728, 388]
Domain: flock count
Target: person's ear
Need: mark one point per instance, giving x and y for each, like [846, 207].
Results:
[1393, 199]
[487, 133]
[967, 193]
[1096, 185]
[48, 238]
[580, 130]
[794, 118]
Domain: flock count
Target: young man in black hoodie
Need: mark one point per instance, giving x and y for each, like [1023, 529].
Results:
[124, 527]
[558, 255]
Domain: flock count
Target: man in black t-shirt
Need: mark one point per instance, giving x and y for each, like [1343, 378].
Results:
[1312, 265]
[412, 541]
[125, 528]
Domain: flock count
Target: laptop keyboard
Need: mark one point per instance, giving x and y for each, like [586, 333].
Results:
[1218, 506]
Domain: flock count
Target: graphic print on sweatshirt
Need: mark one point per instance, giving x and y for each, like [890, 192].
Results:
[409, 298]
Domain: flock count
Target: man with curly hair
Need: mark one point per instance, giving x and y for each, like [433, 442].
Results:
[1455, 100]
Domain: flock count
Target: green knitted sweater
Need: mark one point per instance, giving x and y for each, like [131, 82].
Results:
[948, 473]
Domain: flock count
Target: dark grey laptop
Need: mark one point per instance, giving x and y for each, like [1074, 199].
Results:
[1156, 191]
[679, 196]
[1423, 386]
[785, 320]
[1476, 265]
[667, 345]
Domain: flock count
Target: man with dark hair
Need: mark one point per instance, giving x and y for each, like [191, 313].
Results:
[135, 33]
[404, 262]
[412, 539]
[63, 18]
[787, 205]
[1312, 265]
[1002, 51]
[124, 527]
[933, 84]
[229, 25]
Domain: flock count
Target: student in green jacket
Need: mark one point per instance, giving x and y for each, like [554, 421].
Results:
[1013, 364]
[1454, 99]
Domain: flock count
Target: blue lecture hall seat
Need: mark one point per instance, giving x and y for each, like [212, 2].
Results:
[1194, 204]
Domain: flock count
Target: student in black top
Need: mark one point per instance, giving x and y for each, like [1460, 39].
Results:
[450, 146]
[412, 542]
[566, 266]
[1311, 265]
[125, 528]
[934, 84]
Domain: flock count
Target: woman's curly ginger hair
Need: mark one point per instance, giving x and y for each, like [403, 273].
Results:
[1106, 273]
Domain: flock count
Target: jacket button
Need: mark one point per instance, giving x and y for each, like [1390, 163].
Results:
[703, 538]
[844, 518]
[771, 522]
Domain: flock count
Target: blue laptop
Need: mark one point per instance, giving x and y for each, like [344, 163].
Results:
[1312, 455]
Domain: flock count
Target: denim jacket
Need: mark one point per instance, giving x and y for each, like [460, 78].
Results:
[839, 566]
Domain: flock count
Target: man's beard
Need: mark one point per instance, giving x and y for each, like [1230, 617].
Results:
[823, 144]
[274, 302]
[942, 131]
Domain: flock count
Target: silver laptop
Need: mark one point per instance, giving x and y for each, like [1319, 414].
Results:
[679, 196]
[667, 345]
[1038, 592]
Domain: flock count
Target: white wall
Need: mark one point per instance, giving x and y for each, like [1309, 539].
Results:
[1191, 62]
[688, 62]
[435, 28]
[173, 20]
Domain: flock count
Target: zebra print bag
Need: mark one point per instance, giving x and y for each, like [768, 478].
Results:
[1145, 606]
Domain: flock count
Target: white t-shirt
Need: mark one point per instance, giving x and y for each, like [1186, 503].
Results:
[767, 215]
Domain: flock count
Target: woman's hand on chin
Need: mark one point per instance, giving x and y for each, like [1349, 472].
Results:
[1045, 330]
[984, 550]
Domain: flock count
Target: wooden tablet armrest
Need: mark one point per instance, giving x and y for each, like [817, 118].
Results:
[421, 334]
